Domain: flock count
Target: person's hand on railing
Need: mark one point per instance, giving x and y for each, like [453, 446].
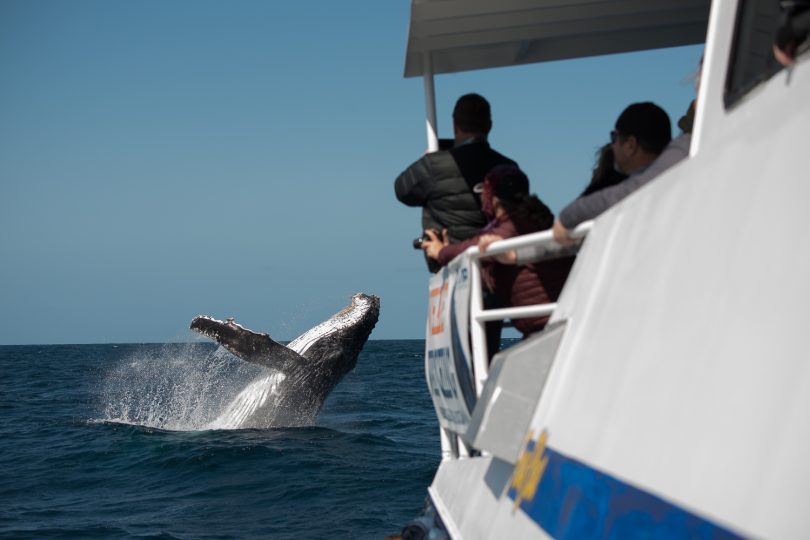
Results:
[432, 245]
[509, 257]
[562, 235]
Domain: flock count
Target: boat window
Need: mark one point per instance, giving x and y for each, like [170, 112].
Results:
[752, 60]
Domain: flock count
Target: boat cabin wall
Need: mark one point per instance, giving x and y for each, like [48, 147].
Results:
[737, 63]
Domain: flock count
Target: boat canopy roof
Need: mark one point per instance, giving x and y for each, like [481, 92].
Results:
[464, 35]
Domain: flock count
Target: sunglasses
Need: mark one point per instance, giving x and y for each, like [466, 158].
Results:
[614, 136]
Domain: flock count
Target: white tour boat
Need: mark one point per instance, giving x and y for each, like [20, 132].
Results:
[670, 394]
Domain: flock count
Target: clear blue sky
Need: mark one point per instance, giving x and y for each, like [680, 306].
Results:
[159, 160]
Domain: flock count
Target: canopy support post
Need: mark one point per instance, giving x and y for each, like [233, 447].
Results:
[430, 103]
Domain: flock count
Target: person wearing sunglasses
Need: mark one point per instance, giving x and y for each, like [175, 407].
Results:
[643, 148]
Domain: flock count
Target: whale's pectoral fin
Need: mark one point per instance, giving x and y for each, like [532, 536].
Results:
[250, 346]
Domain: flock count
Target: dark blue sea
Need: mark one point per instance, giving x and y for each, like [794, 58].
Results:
[108, 441]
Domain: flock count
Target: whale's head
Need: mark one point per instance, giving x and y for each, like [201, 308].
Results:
[344, 332]
[330, 349]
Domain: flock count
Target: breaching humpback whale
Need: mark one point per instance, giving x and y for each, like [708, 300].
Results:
[301, 374]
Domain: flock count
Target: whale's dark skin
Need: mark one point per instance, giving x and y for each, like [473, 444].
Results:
[312, 364]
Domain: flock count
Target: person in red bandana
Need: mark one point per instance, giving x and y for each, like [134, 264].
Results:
[511, 211]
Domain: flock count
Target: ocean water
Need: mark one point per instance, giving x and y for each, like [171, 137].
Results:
[111, 441]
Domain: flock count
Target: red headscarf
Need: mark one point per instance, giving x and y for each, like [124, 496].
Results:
[507, 182]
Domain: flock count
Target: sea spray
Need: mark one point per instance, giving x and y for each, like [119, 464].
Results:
[178, 387]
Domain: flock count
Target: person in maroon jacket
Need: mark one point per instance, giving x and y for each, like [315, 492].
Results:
[512, 211]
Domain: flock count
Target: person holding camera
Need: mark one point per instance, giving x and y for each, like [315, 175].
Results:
[512, 211]
[442, 182]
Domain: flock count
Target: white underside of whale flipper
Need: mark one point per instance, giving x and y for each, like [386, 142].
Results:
[255, 396]
[345, 319]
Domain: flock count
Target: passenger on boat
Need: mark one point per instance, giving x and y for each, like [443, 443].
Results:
[604, 172]
[604, 175]
[442, 182]
[792, 35]
[512, 211]
[535, 253]
[643, 148]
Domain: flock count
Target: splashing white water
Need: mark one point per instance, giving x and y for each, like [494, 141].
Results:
[186, 388]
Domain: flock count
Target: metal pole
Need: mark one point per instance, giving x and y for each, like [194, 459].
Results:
[477, 328]
[449, 442]
[430, 103]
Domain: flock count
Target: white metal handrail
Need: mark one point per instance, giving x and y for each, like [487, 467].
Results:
[479, 316]
[540, 310]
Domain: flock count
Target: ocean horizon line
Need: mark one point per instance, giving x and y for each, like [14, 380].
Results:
[141, 343]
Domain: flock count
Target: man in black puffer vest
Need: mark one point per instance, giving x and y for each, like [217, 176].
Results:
[442, 182]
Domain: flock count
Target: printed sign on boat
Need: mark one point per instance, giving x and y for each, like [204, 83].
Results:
[447, 351]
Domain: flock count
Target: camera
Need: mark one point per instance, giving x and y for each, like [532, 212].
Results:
[417, 243]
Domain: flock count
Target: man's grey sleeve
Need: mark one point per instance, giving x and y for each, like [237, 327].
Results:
[589, 207]
[410, 185]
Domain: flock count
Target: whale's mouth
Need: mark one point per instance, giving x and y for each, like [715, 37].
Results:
[362, 305]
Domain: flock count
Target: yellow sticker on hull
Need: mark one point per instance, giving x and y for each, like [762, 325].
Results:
[529, 468]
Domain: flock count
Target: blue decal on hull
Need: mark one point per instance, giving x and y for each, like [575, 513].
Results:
[573, 500]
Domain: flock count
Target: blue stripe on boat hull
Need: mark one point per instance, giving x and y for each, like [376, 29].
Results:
[575, 501]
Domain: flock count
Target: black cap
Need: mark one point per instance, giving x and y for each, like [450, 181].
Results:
[648, 123]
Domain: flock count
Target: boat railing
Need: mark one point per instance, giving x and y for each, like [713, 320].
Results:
[546, 248]
[480, 316]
